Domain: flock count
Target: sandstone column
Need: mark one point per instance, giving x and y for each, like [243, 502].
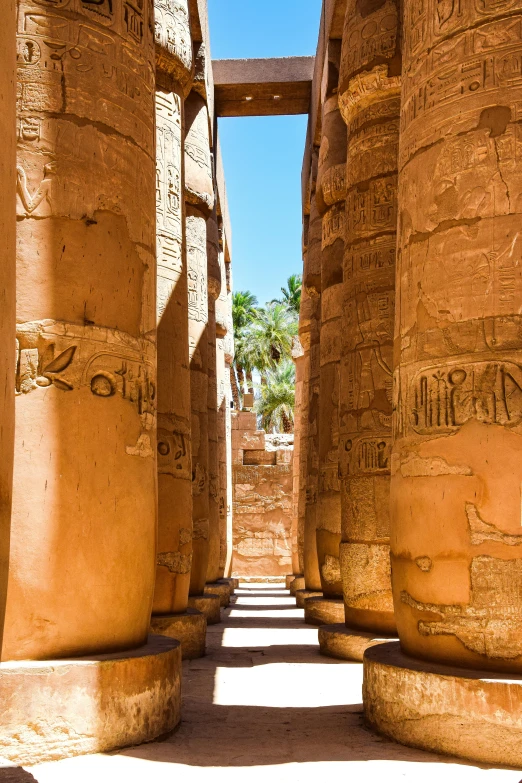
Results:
[459, 383]
[7, 283]
[83, 532]
[214, 289]
[83, 538]
[369, 96]
[199, 198]
[298, 357]
[330, 198]
[310, 327]
[456, 537]
[174, 63]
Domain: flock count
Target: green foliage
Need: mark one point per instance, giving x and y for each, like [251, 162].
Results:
[276, 400]
[292, 293]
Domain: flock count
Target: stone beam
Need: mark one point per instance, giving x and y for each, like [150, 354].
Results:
[263, 87]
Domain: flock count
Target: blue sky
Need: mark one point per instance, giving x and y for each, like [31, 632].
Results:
[263, 155]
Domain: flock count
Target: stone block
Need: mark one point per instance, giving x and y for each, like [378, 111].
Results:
[259, 457]
[323, 611]
[220, 589]
[209, 605]
[297, 584]
[189, 628]
[247, 420]
[347, 644]
[248, 439]
[469, 713]
[301, 595]
[60, 708]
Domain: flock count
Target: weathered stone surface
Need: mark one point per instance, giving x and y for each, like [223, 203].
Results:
[189, 628]
[347, 644]
[369, 97]
[262, 534]
[52, 709]
[456, 545]
[323, 611]
[462, 712]
[84, 500]
[209, 605]
[7, 280]
[297, 584]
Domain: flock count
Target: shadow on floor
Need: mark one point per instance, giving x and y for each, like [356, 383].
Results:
[16, 775]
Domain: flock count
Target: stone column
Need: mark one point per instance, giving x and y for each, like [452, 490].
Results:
[174, 64]
[83, 531]
[215, 282]
[7, 284]
[83, 539]
[456, 536]
[369, 96]
[199, 200]
[459, 383]
[173, 73]
[229, 358]
[223, 361]
[310, 326]
[330, 198]
[298, 357]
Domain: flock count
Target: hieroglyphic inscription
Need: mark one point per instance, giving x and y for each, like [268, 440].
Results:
[444, 399]
[169, 232]
[172, 36]
[368, 37]
[197, 269]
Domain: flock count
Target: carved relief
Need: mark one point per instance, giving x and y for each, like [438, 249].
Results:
[447, 397]
[169, 232]
[489, 624]
[71, 357]
[174, 455]
[197, 269]
[172, 36]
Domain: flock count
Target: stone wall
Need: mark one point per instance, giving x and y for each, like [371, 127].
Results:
[262, 484]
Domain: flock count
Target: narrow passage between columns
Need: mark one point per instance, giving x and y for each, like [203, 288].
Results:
[264, 705]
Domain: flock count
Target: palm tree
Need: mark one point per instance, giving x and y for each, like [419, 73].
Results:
[276, 400]
[244, 309]
[269, 337]
[292, 294]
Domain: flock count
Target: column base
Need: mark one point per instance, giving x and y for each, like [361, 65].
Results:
[231, 582]
[476, 715]
[209, 605]
[215, 588]
[348, 644]
[297, 584]
[324, 611]
[189, 628]
[302, 595]
[60, 708]
[289, 578]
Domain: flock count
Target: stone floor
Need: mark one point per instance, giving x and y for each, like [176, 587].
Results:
[264, 705]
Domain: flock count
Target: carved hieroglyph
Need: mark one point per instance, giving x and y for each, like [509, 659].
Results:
[173, 66]
[7, 279]
[456, 547]
[81, 571]
[369, 97]
[330, 199]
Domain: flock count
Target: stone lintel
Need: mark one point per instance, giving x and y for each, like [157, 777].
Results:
[263, 87]
[469, 713]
